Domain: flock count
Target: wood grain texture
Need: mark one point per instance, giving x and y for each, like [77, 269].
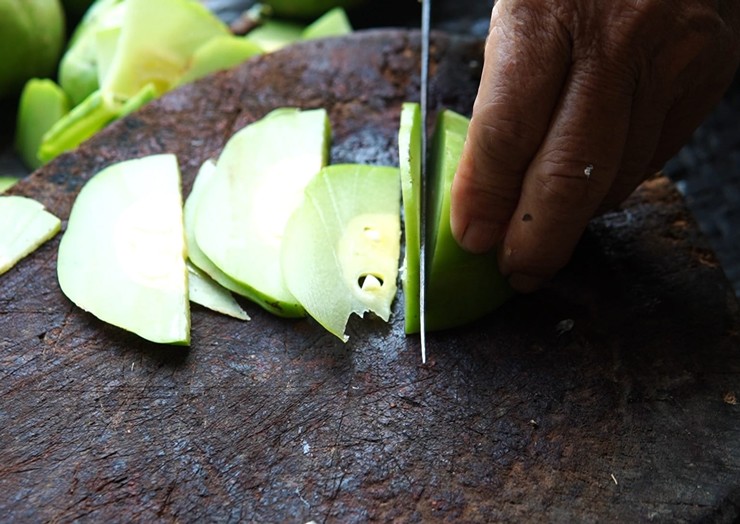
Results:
[603, 397]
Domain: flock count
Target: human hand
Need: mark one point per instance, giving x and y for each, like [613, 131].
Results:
[579, 102]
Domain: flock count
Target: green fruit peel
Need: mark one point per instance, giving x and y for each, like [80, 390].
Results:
[409, 154]
[43, 103]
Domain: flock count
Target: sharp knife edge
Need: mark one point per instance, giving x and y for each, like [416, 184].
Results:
[424, 102]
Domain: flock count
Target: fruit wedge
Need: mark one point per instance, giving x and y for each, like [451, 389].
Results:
[342, 245]
[461, 287]
[122, 257]
[261, 175]
[43, 103]
[26, 225]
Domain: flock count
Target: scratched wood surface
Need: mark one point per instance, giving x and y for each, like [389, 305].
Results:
[607, 396]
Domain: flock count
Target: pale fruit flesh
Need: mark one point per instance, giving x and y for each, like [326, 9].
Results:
[342, 246]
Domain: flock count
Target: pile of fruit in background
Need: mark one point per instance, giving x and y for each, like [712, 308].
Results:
[75, 66]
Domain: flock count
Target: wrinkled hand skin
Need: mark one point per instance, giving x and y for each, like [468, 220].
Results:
[579, 102]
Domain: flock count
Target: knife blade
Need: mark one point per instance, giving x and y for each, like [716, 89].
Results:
[424, 102]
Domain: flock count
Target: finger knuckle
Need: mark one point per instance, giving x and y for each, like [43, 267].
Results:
[569, 191]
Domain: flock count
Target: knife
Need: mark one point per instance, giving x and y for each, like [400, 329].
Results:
[424, 102]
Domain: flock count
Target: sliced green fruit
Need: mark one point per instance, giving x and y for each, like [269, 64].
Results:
[462, 287]
[275, 34]
[261, 175]
[156, 44]
[409, 154]
[26, 225]
[6, 182]
[43, 103]
[122, 257]
[195, 254]
[220, 53]
[207, 293]
[332, 23]
[106, 44]
[341, 246]
[78, 69]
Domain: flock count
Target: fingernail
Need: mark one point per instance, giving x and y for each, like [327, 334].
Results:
[525, 283]
[480, 236]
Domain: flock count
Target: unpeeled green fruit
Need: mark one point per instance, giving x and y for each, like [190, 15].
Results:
[461, 286]
[43, 103]
[32, 35]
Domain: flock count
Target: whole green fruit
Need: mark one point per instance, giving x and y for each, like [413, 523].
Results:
[31, 41]
[308, 9]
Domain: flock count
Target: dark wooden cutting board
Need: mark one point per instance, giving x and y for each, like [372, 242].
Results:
[607, 396]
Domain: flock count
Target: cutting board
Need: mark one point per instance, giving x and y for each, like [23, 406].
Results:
[606, 396]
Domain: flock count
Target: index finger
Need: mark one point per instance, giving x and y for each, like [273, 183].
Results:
[522, 78]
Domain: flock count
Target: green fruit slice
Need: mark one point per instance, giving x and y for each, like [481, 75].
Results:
[43, 103]
[332, 23]
[261, 175]
[275, 34]
[342, 245]
[156, 44]
[195, 254]
[308, 9]
[220, 53]
[26, 225]
[409, 154]
[462, 287]
[122, 257]
[206, 292]
[6, 182]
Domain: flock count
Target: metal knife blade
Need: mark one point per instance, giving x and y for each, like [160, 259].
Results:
[424, 102]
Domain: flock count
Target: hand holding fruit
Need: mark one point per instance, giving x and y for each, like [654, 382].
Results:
[578, 104]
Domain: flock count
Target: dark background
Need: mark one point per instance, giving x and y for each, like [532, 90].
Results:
[706, 171]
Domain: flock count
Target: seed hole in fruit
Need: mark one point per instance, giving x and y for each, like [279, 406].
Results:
[371, 233]
[370, 282]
